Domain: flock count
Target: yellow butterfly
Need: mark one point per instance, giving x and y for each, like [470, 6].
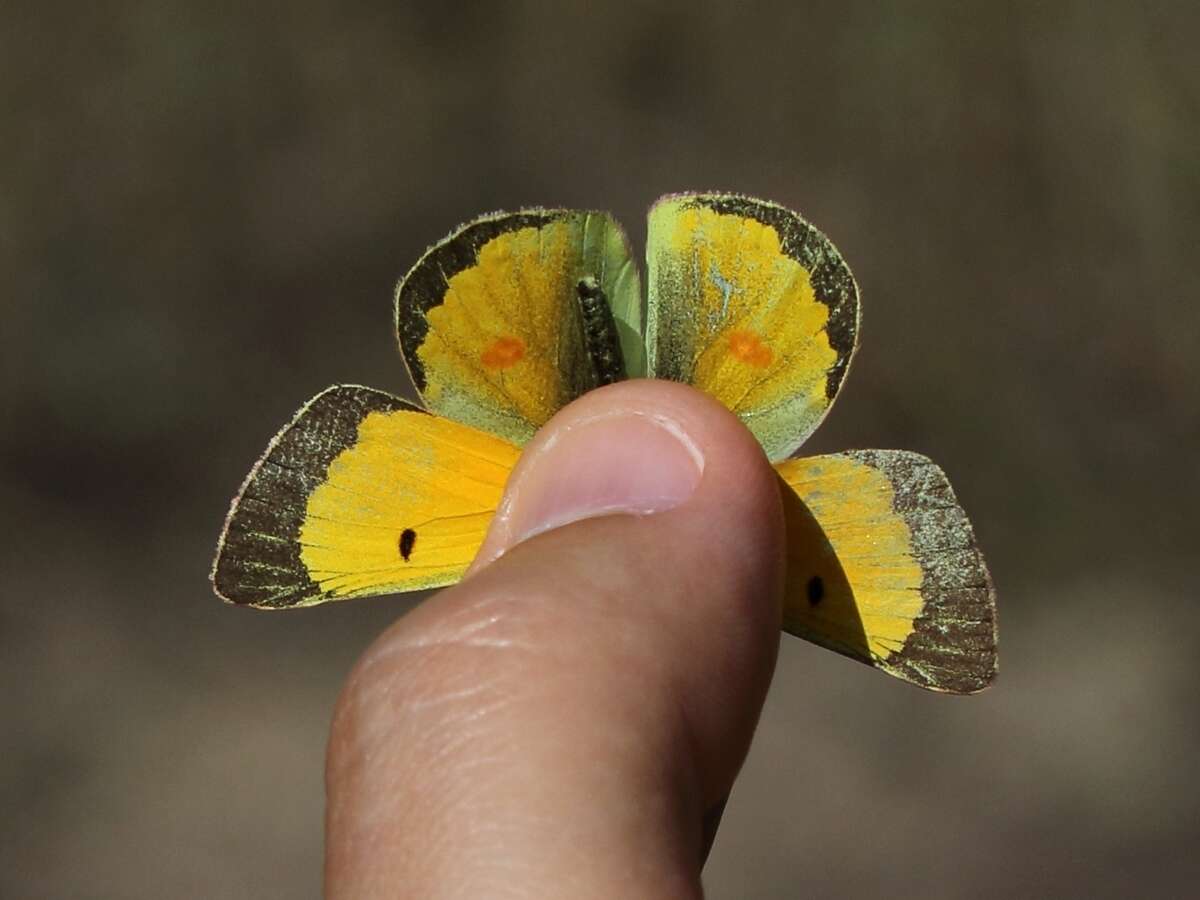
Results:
[516, 314]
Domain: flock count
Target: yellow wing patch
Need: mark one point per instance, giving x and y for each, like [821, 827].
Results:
[751, 304]
[498, 334]
[361, 494]
[883, 567]
[852, 577]
[489, 320]
[409, 478]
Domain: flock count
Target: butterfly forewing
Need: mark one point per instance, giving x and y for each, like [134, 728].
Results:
[362, 493]
[883, 567]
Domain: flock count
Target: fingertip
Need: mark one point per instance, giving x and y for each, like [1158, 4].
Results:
[576, 706]
[709, 557]
[641, 447]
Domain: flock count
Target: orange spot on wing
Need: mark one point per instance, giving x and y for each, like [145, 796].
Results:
[503, 353]
[750, 349]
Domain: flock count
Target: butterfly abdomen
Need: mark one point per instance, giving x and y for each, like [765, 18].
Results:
[600, 336]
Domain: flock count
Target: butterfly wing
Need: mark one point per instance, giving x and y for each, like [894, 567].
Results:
[490, 324]
[883, 567]
[750, 303]
[361, 494]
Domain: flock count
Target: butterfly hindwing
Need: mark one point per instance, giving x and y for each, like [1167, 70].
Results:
[491, 321]
[883, 567]
[362, 493]
[750, 303]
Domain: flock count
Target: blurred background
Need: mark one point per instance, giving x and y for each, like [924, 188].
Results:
[202, 216]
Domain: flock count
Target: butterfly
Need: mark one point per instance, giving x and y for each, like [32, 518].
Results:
[511, 317]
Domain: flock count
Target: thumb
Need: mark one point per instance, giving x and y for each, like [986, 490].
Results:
[559, 723]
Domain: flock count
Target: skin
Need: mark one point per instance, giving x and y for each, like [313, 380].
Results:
[561, 722]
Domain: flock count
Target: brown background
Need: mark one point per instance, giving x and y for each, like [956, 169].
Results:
[201, 218]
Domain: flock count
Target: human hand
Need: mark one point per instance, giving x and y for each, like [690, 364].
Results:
[568, 720]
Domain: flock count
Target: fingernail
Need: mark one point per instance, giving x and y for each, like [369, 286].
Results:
[617, 463]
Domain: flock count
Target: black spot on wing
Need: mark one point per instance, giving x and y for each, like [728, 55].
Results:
[815, 590]
[408, 540]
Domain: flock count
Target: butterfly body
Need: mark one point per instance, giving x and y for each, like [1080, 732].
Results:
[510, 318]
[601, 339]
